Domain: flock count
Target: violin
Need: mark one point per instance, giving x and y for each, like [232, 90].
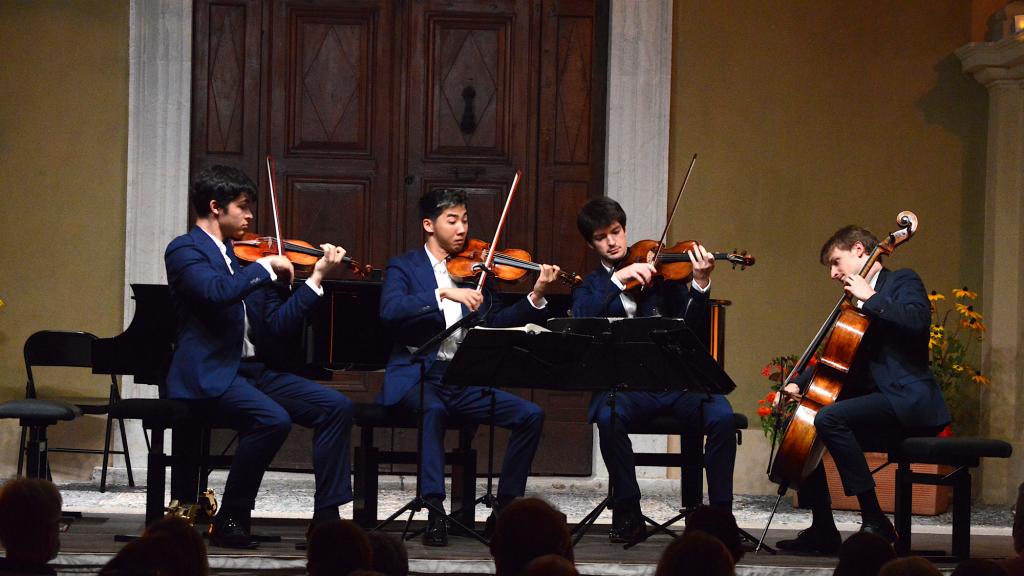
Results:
[302, 255]
[510, 264]
[673, 263]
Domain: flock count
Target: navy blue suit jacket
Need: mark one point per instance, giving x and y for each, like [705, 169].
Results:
[409, 310]
[896, 349]
[599, 296]
[208, 308]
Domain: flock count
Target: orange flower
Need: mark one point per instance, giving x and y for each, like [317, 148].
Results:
[770, 397]
[980, 378]
[935, 296]
[764, 411]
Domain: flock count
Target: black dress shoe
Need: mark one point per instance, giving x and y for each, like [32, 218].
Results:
[813, 541]
[228, 532]
[436, 533]
[627, 524]
[882, 528]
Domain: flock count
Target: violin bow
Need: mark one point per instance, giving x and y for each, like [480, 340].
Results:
[489, 261]
[675, 206]
[273, 205]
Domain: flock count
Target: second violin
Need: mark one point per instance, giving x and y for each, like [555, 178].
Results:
[303, 255]
[673, 262]
[510, 264]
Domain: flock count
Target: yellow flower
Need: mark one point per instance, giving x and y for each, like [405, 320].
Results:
[980, 378]
[967, 311]
[935, 296]
[956, 368]
[964, 293]
[2, 304]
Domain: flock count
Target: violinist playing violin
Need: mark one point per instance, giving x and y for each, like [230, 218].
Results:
[226, 318]
[602, 223]
[419, 300]
[898, 394]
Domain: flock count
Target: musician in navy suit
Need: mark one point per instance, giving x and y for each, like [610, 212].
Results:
[222, 310]
[898, 396]
[602, 223]
[418, 301]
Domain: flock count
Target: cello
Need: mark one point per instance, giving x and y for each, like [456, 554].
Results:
[839, 339]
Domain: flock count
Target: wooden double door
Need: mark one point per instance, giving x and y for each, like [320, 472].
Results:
[366, 104]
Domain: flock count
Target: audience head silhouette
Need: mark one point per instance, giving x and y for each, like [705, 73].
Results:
[168, 547]
[389, 554]
[526, 529]
[550, 565]
[863, 554]
[338, 547]
[909, 566]
[721, 524]
[979, 567]
[30, 521]
[696, 552]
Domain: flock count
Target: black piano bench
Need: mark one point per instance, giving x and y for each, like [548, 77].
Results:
[961, 454]
[37, 415]
[157, 415]
[369, 458]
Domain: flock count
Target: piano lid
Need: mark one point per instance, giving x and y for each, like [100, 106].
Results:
[144, 349]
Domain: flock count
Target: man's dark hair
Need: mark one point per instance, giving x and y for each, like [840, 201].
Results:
[720, 523]
[845, 238]
[599, 213]
[338, 547]
[221, 183]
[863, 554]
[434, 202]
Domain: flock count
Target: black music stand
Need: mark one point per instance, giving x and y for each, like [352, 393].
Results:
[513, 358]
[651, 354]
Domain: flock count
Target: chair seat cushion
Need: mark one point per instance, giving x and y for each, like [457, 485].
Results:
[672, 425]
[31, 409]
[154, 412]
[953, 451]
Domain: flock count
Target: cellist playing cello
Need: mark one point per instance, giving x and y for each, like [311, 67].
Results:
[900, 399]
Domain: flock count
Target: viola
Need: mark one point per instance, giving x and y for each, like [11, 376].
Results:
[673, 263]
[302, 255]
[510, 264]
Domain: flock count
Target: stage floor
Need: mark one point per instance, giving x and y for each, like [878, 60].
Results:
[285, 503]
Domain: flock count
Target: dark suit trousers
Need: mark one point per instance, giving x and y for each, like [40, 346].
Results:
[262, 404]
[847, 428]
[470, 404]
[634, 407]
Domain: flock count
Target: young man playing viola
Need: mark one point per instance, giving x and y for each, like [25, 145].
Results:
[418, 301]
[227, 316]
[602, 223]
[898, 394]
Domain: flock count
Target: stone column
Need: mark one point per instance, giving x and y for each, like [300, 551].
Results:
[1000, 67]
[159, 116]
[639, 90]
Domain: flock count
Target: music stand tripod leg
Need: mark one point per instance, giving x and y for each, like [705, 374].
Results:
[592, 516]
[418, 502]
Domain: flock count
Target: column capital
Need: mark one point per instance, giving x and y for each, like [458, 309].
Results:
[994, 62]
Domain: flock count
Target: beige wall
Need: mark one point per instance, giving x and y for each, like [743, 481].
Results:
[63, 137]
[808, 116]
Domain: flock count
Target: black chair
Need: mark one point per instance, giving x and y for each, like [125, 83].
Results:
[961, 454]
[36, 416]
[73, 349]
[369, 458]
